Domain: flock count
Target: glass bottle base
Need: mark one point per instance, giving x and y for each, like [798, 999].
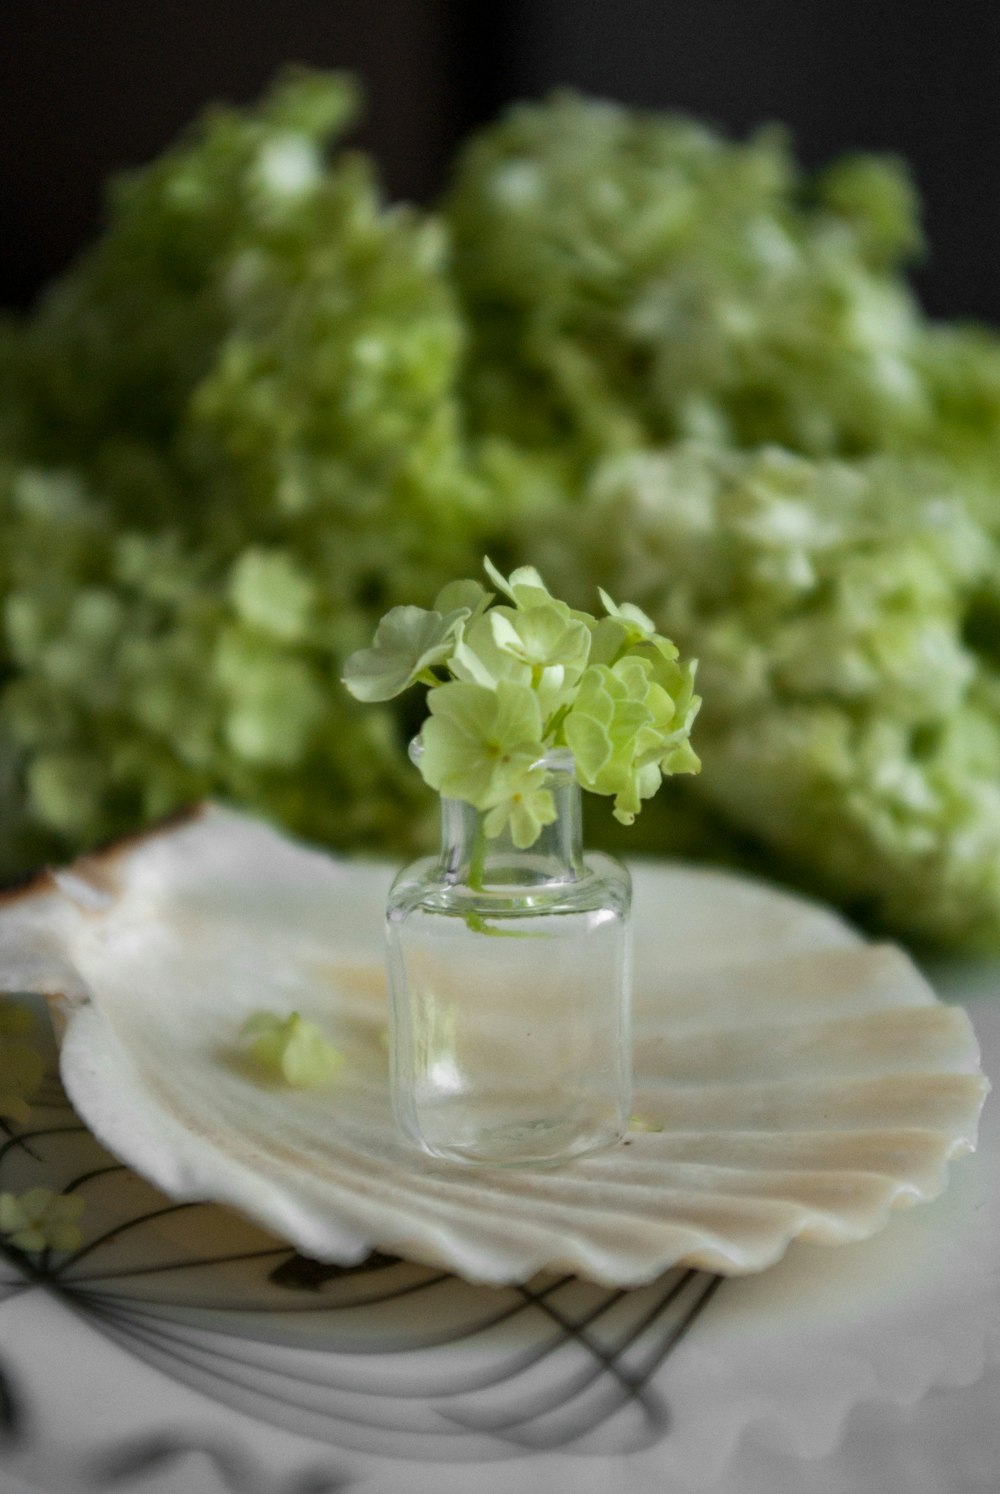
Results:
[470, 1130]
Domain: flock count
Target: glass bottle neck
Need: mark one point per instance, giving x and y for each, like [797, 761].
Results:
[474, 859]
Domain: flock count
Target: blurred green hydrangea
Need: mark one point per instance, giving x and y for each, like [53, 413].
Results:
[749, 426]
[266, 408]
[636, 277]
[847, 617]
[237, 433]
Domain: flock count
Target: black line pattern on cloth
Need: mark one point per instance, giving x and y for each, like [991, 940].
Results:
[11, 1419]
[137, 1459]
[556, 1363]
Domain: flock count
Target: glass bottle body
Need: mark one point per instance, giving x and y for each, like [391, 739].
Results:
[509, 985]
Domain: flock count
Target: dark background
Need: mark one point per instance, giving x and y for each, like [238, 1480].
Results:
[88, 86]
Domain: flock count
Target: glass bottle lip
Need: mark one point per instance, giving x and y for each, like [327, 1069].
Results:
[552, 760]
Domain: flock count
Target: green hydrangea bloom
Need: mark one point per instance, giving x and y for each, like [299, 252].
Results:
[263, 410]
[540, 645]
[235, 439]
[524, 809]
[270, 591]
[846, 618]
[482, 744]
[41, 1220]
[625, 729]
[522, 683]
[634, 276]
[290, 1049]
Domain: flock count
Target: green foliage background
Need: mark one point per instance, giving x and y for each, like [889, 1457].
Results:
[266, 406]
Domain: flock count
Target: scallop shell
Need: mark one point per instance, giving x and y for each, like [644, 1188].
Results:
[796, 1081]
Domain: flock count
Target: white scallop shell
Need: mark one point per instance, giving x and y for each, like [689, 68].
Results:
[806, 1082]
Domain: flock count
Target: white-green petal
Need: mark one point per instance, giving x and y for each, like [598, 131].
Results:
[477, 739]
[290, 1049]
[525, 588]
[408, 640]
[525, 810]
[633, 617]
[478, 660]
[590, 744]
[468, 596]
[541, 635]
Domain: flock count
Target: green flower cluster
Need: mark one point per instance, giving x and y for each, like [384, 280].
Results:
[266, 409]
[41, 1220]
[634, 278]
[749, 426]
[848, 621]
[208, 429]
[511, 682]
[290, 1049]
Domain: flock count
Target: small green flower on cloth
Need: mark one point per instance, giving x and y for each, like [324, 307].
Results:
[41, 1220]
[509, 681]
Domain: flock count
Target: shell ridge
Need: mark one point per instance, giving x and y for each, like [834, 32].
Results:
[141, 1063]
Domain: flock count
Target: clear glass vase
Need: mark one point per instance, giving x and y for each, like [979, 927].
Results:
[509, 989]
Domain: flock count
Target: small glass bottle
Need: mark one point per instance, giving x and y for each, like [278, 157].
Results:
[509, 990]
